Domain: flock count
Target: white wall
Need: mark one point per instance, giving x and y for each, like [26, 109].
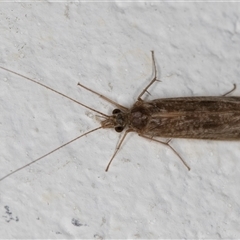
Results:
[147, 193]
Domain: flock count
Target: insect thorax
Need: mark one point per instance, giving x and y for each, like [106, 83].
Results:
[138, 116]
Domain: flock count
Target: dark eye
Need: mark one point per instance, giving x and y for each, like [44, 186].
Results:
[118, 129]
[116, 111]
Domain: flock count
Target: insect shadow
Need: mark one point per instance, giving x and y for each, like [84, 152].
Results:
[214, 118]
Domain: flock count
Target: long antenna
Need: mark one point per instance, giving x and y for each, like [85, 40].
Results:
[41, 84]
[54, 150]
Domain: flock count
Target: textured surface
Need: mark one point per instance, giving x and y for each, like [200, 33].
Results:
[147, 193]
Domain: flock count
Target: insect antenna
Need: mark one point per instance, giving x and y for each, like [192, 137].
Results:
[45, 155]
[51, 89]
[65, 96]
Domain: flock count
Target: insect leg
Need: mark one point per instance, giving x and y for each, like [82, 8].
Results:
[167, 144]
[103, 97]
[234, 88]
[118, 147]
[153, 80]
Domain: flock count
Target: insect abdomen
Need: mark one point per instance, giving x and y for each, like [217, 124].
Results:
[189, 118]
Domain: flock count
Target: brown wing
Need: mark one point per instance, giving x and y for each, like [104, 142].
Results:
[195, 117]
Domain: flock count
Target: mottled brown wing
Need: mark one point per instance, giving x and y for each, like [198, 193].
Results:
[194, 117]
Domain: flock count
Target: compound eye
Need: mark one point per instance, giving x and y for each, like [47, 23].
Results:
[116, 111]
[118, 129]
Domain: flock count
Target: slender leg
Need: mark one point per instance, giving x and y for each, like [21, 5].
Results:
[154, 79]
[234, 88]
[118, 147]
[103, 97]
[167, 144]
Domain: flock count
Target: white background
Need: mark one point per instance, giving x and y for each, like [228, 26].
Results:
[147, 193]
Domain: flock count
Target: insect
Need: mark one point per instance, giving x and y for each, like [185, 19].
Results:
[214, 118]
